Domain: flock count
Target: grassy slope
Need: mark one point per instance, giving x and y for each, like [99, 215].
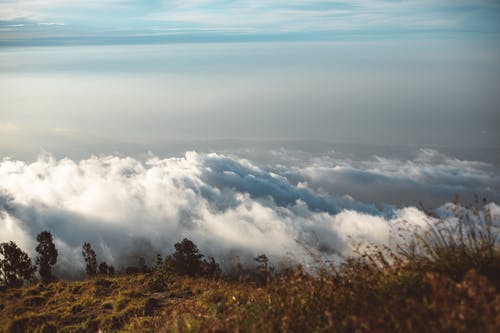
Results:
[358, 297]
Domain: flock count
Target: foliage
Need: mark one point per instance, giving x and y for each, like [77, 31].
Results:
[103, 268]
[211, 269]
[15, 265]
[158, 276]
[187, 258]
[47, 255]
[90, 259]
[263, 273]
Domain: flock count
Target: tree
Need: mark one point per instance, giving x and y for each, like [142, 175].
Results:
[47, 255]
[187, 258]
[158, 276]
[211, 268]
[90, 259]
[15, 265]
[103, 268]
[263, 271]
[159, 261]
[143, 268]
[263, 260]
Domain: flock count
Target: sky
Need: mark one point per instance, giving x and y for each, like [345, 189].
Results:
[75, 101]
[127, 76]
[301, 123]
[28, 22]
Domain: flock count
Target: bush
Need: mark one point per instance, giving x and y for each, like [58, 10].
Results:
[149, 306]
[158, 281]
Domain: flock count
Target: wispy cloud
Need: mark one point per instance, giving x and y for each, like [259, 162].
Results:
[267, 17]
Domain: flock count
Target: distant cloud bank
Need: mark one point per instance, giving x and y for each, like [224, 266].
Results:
[227, 205]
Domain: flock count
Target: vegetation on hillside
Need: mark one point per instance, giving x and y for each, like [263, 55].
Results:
[443, 278]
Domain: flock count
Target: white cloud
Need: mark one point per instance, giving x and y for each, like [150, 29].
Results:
[430, 177]
[51, 23]
[226, 205]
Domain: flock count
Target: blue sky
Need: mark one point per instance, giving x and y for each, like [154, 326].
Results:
[45, 22]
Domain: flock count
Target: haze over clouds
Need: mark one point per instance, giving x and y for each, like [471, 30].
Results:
[228, 206]
[77, 101]
[305, 122]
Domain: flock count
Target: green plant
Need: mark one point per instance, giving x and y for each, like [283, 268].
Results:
[15, 265]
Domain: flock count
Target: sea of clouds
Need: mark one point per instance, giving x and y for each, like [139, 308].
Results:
[229, 206]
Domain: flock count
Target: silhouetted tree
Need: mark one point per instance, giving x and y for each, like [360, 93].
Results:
[15, 265]
[103, 268]
[90, 259]
[111, 270]
[263, 260]
[47, 255]
[187, 258]
[168, 264]
[211, 268]
[143, 268]
[159, 261]
[263, 271]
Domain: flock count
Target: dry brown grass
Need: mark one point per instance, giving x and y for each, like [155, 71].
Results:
[357, 297]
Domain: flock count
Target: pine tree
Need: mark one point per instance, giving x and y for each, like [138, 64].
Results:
[90, 259]
[47, 255]
[187, 258]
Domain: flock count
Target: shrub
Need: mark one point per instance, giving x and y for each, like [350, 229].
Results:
[211, 269]
[149, 306]
[158, 281]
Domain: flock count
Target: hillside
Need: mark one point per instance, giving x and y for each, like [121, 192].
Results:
[357, 298]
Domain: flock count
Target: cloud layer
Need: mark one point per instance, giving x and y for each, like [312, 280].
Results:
[227, 205]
